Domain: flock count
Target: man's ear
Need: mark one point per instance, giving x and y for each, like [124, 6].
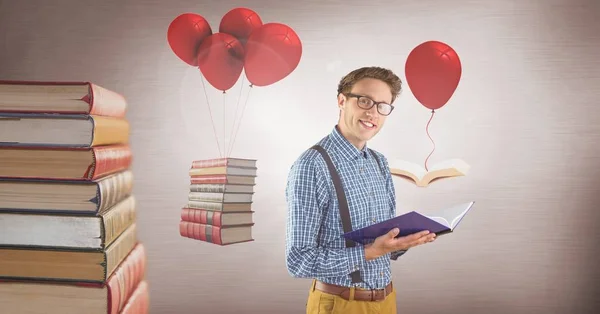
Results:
[341, 100]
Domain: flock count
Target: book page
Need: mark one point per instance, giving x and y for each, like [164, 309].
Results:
[449, 216]
[416, 170]
[457, 164]
[440, 220]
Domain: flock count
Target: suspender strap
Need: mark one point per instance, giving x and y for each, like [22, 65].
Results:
[341, 196]
[343, 202]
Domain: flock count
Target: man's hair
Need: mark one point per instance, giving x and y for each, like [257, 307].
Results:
[379, 73]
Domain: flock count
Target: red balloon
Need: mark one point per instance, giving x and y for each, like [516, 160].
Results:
[433, 70]
[273, 51]
[240, 23]
[185, 34]
[221, 60]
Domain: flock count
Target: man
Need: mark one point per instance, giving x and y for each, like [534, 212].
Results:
[347, 277]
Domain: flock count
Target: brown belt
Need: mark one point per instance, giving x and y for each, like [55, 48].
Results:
[359, 294]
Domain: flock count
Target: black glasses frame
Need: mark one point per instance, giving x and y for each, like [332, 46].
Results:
[379, 104]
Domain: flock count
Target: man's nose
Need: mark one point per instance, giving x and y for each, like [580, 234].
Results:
[373, 111]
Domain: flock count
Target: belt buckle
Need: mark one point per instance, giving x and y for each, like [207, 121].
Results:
[377, 295]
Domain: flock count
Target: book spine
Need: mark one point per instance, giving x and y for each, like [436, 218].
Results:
[114, 189]
[210, 179]
[208, 171]
[139, 302]
[109, 131]
[104, 102]
[208, 188]
[109, 160]
[202, 232]
[125, 279]
[118, 218]
[201, 216]
[206, 196]
[205, 205]
[118, 251]
[209, 163]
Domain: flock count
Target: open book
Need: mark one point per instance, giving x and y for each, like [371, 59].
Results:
[440, 222]
[422, 177]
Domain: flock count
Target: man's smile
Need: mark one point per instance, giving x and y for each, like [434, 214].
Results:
[367, 124]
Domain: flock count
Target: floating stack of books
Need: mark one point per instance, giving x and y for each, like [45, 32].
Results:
[219, 208]
[68, 240]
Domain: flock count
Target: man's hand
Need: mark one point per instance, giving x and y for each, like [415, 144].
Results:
[389, 243]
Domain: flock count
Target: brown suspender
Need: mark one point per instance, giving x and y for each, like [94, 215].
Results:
[343, 202]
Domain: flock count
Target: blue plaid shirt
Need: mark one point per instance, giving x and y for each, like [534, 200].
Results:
[315, 247]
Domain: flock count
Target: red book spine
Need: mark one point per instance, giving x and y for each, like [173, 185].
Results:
[202, 216]
[200, 232]
[104, 102]
[139, 303]
[216, 179]
[216, 162]
[125, 279]
[108, 160]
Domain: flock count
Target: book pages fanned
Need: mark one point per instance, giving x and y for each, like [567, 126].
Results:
[422, 177]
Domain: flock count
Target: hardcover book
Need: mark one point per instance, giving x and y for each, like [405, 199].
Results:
[60, 98]
[440, 222]
[219, 208]
[62, 130]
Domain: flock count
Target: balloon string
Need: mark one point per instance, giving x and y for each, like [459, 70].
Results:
[242, 115]
[427, 131]
[211, 117]
[237, 106]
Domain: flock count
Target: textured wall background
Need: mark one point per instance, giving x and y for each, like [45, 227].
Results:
[525, 117]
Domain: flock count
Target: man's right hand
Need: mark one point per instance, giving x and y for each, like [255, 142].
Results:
[388, 243]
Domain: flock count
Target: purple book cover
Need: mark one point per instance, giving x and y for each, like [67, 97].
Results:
[439, 222]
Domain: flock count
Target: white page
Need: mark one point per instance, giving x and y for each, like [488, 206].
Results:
[449, 216]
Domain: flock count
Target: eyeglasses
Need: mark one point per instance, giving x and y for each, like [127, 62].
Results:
[367, 103]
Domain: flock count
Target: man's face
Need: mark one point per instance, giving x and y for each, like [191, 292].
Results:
[356, 123]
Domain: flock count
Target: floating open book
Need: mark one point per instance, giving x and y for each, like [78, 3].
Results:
[441, 221]
[422, 177]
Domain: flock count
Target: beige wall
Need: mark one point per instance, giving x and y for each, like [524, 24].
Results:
[525, 117]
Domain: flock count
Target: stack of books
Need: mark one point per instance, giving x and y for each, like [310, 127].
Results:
[68, 241]
[219, 208]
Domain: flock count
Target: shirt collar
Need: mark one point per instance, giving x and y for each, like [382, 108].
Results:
[345, 148]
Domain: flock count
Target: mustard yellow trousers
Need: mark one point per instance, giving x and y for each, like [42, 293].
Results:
[324, 303]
